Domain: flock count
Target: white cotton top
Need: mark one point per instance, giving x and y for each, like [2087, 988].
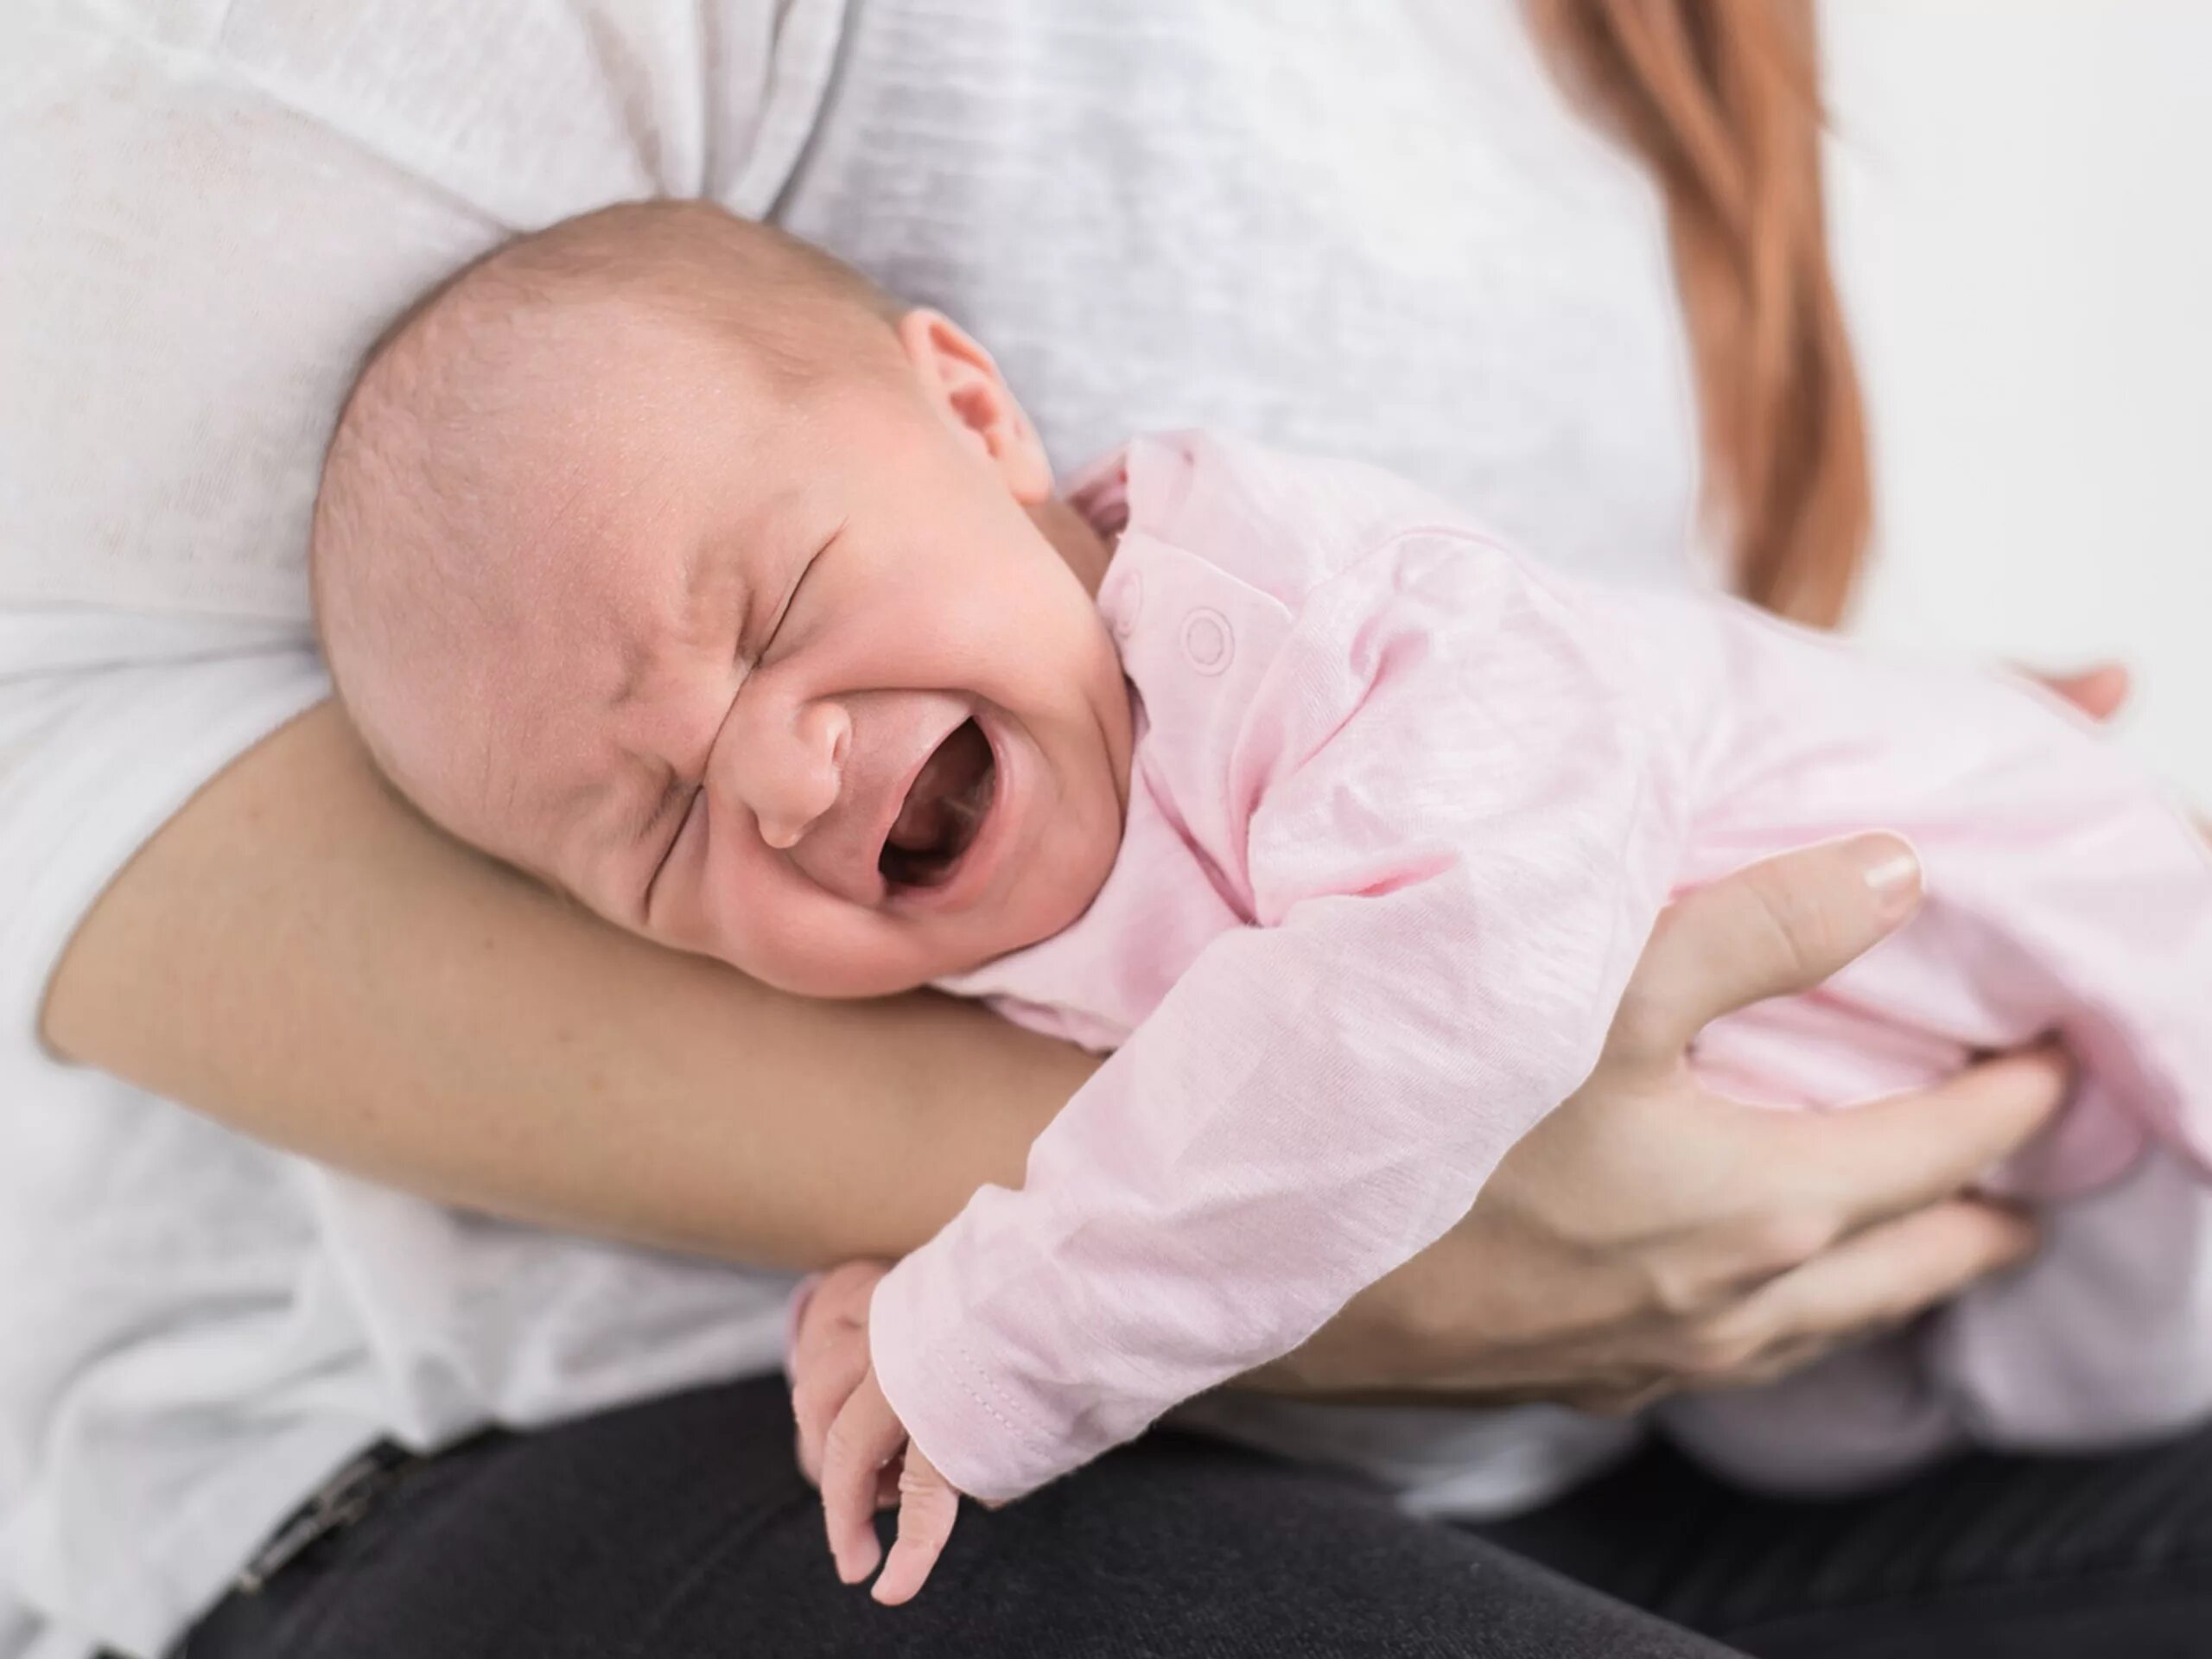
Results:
[1374, 231]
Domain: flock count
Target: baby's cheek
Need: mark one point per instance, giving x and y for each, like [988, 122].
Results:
[792, 936]
[679, 922]
[734, 920]
[691, 909]
[1081, 857]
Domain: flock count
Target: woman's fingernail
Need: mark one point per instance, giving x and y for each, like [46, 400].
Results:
[1894, 878]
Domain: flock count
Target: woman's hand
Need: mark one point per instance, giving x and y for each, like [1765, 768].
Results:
[1650, 1236]
[2099, 691]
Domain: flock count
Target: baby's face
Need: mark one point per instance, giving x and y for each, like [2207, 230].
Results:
[816, 695]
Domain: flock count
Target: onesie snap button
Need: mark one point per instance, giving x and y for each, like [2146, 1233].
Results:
[1207, 641]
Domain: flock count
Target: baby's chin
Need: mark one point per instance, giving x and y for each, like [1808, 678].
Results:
[863, 970]
[843, 982]
[851, 974]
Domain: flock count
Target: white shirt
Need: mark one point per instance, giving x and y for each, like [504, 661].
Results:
[1379, 232]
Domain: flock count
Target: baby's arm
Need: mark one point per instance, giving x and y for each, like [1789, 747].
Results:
[1459, 829]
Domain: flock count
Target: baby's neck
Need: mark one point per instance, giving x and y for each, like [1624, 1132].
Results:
[1088, 554]
[1086, 551]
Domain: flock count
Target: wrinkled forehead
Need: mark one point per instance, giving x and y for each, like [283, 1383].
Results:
[613, 658]
[499, 750]
[598, 483]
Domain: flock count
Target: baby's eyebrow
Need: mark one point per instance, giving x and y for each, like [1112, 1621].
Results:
[728, 580]
[584, 817]
[608, 820]
[643, 807]
[630, 673]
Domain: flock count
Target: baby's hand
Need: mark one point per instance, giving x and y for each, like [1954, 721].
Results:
[867, 1460]
[852, 1444]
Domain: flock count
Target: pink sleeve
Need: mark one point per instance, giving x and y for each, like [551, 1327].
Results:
[1458, 837]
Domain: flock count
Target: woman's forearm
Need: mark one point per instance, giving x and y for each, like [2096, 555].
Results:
[299, 956]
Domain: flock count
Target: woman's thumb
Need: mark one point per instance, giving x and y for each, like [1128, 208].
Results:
[1771, 929]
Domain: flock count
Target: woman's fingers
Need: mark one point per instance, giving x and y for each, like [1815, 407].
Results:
[1778, 926]
[1892, 1157]
[866, 1435]
[1878, 1279]
[928, 1506]
[2099, 691]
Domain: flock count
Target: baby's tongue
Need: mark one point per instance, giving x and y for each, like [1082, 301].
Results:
[943, 793]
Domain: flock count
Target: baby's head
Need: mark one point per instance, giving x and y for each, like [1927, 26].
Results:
[661, 556]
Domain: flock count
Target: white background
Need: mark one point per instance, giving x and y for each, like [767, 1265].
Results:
[2022, 197]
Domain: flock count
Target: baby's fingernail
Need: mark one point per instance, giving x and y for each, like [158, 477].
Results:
[854, 1557]
[899, 1584]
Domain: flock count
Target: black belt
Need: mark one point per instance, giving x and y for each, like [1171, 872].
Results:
[335, 1505]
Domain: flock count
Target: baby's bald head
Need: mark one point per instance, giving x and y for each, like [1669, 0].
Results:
[504, 430]
[660, 556]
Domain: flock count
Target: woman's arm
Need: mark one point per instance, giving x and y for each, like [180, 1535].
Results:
[301, 956]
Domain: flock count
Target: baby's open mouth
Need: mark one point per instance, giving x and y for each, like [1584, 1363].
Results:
[938, 822]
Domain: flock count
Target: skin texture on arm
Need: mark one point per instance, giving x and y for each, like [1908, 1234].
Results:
[299, 956]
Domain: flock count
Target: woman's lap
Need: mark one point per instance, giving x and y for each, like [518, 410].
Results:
[1998, 1558]
[680, 1531]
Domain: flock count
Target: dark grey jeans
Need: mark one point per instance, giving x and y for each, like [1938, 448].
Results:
[680, 1530]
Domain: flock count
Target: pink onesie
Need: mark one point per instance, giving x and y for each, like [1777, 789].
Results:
[1403, 810]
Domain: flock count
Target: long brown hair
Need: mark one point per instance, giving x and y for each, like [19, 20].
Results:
[1721, 97]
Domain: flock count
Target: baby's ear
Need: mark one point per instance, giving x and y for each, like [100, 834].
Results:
[963, 383]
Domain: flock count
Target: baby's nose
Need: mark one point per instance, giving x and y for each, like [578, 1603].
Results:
[797, 787]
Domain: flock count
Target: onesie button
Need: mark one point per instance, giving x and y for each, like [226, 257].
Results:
[1207, 641]
[1124, 607]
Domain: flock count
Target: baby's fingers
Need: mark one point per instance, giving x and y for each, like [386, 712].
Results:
[823, 1376]
[828, 1353]
[928, 1505]
[864, 1435]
